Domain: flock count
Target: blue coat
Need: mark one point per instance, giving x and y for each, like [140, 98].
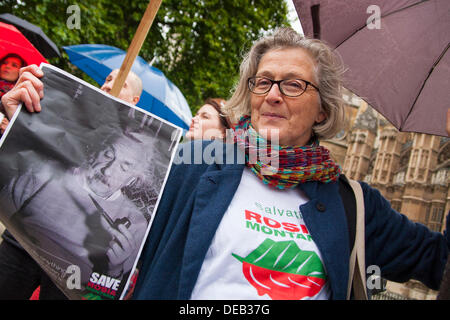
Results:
[196, 197]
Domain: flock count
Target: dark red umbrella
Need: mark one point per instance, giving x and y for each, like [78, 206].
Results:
[34, 34]
[399, 63]
[13, 41]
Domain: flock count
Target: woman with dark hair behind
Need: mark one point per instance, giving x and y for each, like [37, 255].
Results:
[209, 123]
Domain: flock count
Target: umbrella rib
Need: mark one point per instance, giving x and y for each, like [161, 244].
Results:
[384, 16]
[423, 84]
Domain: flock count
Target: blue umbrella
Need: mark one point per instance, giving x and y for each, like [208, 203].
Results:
[160, 96]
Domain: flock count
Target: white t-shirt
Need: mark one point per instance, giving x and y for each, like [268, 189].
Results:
[262, 249]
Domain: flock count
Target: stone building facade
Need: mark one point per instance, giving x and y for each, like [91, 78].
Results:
[411, 170]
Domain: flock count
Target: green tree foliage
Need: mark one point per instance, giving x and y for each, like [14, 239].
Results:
[197, 44]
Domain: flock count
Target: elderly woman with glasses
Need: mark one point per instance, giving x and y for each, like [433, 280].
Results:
[277, 229]
[263, 217]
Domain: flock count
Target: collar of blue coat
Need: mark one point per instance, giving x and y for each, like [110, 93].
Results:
[223, 165]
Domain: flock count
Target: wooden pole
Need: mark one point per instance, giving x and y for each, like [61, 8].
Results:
[136, 45]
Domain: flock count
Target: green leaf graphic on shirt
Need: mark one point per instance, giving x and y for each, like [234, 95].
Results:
[285, 256]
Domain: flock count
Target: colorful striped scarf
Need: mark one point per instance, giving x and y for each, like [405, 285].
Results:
[284, 166]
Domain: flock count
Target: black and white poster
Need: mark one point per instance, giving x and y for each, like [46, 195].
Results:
[80, 182]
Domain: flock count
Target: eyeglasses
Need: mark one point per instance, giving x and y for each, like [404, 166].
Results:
[288, 87]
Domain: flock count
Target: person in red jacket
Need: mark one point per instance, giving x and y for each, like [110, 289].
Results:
[10, 65]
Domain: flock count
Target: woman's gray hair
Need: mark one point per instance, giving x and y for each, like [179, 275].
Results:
[329, 70]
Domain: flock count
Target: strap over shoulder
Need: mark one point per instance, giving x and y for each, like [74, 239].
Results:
[357, 272]
[348, 199]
